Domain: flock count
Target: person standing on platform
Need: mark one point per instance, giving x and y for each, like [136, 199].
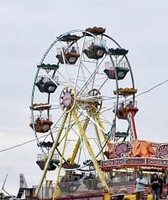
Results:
[161, 184]
[155, 187]
[141, 184]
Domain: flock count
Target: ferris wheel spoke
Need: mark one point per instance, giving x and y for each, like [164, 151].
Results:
[91, 118]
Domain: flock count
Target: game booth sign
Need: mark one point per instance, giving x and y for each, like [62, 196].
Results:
[136, 155]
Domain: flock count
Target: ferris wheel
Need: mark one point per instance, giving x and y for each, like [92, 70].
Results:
[80, 83]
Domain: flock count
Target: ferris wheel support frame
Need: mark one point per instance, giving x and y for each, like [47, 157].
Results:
[132, 124]
[90, 150]
[50, 157]
[61, 162]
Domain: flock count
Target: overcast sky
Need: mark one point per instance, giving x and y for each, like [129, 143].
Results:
[28, 27]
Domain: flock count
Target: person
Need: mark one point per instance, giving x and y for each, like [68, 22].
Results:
[40, 84]
[161, 183]
[41, 81]
[73, 50]
[91, 46]
[140, 186]
[130, 104]
[155, 187]
[121, 110]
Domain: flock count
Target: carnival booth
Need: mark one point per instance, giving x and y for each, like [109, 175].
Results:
[127, 158]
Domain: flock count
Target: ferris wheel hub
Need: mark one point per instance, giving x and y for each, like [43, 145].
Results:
[67, 99]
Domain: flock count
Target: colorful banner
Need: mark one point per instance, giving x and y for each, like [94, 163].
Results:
[138, 148]
[136, 153]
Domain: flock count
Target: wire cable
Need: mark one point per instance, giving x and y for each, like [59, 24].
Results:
[19, 145]
[152, 88]
[33, 140]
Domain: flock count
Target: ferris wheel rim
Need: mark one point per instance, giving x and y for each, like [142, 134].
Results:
[57, 40]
